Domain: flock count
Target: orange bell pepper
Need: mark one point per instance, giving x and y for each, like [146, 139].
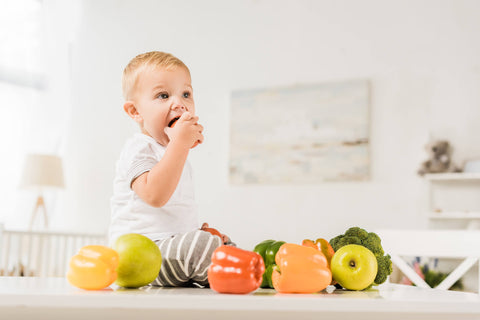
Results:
[93, 267]
[234, 270]
[300, 269]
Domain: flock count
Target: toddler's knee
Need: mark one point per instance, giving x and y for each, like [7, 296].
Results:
[202, 249]
[208, 241]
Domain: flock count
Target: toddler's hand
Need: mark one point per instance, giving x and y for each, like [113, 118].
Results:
[215, 232]
[186, 131]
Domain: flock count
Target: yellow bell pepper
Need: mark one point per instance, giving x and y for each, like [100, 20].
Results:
[322, 245]
[300, 269]
[93, 268]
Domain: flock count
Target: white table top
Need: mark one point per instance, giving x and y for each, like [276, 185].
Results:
[54, 298]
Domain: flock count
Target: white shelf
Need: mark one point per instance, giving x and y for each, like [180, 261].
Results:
[456, 179]
[455, 215]
[458, 176]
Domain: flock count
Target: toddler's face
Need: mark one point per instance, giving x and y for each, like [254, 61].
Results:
[161, 97]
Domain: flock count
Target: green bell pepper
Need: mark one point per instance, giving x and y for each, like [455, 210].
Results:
[267, 250]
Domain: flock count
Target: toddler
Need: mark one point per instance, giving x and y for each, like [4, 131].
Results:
[153, 188]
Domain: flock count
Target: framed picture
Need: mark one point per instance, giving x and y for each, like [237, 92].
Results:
[300, 134]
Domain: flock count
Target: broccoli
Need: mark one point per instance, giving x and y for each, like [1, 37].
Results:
[372, 242]
[384, 264]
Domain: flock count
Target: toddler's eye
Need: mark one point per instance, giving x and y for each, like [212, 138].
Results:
[163, 95]
[186, 94]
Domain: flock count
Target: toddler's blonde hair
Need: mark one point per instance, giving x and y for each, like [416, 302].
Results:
[144, 61]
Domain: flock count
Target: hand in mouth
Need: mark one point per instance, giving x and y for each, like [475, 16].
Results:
[172, 122]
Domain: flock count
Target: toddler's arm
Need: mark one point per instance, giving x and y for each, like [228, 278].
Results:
[156, 186]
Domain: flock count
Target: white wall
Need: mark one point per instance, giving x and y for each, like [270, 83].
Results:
[423, 58]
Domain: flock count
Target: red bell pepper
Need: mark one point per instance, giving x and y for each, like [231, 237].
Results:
[300, 269]
[235, 270]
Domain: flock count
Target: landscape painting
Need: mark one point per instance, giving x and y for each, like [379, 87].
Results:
[300, 134]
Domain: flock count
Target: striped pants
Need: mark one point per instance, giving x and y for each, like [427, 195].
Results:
[186, 258]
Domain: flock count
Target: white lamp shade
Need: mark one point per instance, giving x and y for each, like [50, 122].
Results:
[42, 170]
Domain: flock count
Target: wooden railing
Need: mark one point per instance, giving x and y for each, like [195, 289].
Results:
[41, 253]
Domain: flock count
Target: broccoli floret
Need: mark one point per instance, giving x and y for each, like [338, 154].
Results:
[348, 240]
[357, 232]
[384, 264]
[334, 242]
[372, 242]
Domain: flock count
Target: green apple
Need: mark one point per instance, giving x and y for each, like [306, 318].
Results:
[354, 267]
[139, 260]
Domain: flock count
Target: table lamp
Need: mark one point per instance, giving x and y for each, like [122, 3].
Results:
[41, 172]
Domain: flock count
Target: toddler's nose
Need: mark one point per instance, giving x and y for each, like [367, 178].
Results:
[178, 107]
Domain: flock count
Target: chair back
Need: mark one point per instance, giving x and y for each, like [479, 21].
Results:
[431, 243]
[455, 244]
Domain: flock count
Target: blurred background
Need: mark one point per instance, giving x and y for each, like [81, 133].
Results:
[60, 70]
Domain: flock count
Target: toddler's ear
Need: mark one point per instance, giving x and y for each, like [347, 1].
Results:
[132, 111]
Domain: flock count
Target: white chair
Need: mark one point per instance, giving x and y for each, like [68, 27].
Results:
[456, 244]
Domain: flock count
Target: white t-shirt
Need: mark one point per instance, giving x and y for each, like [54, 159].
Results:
[130, 214]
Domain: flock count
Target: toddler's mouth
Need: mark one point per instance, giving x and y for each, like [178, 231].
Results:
[173, 121]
